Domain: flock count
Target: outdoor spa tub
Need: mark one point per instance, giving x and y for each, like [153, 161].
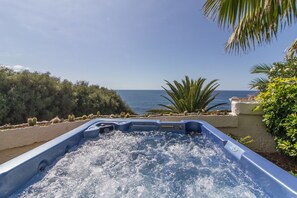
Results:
[144, 158]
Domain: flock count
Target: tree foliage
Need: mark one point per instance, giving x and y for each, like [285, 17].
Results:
[26, 94]
[285, 69]
[190, 95]
[279, 104]
[253, 22]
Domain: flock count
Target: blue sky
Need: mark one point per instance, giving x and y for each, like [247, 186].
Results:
[126, 44]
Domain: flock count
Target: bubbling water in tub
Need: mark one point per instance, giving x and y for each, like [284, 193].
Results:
[144, 164]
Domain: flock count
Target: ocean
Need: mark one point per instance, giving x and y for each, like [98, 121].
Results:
[140, 101]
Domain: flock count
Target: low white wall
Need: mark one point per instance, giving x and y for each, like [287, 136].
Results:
[250, 123]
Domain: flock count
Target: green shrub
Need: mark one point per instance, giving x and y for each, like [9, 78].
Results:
[289, 144]
[243, 140]
[293, 173]
[246, 140]
[127, 115]
[56, 97]
[112, 116]
[98, 114]
[279, 104]
[71, 118]
[91, 116]
[32, 121]
[285, 69]
[84, 117]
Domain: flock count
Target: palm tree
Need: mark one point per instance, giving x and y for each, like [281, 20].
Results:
[190, 95]
[261, 82]
[287, 69]
[253, 22]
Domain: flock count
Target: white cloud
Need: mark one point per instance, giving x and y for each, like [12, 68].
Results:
[20, 68]
[17, 68]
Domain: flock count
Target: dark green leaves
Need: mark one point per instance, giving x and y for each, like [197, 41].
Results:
[253, 22]
[279, 104]
[26, 94]
[285, 69]
[190, 95]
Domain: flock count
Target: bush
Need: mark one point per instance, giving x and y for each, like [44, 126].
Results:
[246, 140]
[24, 94]
[289, 144]
[32, 121]
[98, 114]
[71, 118]
[127, 115]
[279, 104]
[84, 117]
[287, 69]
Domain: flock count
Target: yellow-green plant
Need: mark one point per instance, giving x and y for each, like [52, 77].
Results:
[31, 121]
[71, 118]
[286, 69]
[34, 119]
[243, 140]
[279, 104]
[293, 173]
[84, 117]
[246, 140]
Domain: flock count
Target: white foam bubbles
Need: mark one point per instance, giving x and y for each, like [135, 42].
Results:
[144, 164]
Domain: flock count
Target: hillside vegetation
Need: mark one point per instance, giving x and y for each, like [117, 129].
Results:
[26, 94]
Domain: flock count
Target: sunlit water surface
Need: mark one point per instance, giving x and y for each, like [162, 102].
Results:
[144, 164]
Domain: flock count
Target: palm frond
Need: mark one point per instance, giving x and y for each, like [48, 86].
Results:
[259, 83]
[189, 95]
[252, 22]
[261, 69]
[292, 50]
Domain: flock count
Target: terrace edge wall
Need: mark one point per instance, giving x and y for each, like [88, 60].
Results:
[241, 122]
[12, 138]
